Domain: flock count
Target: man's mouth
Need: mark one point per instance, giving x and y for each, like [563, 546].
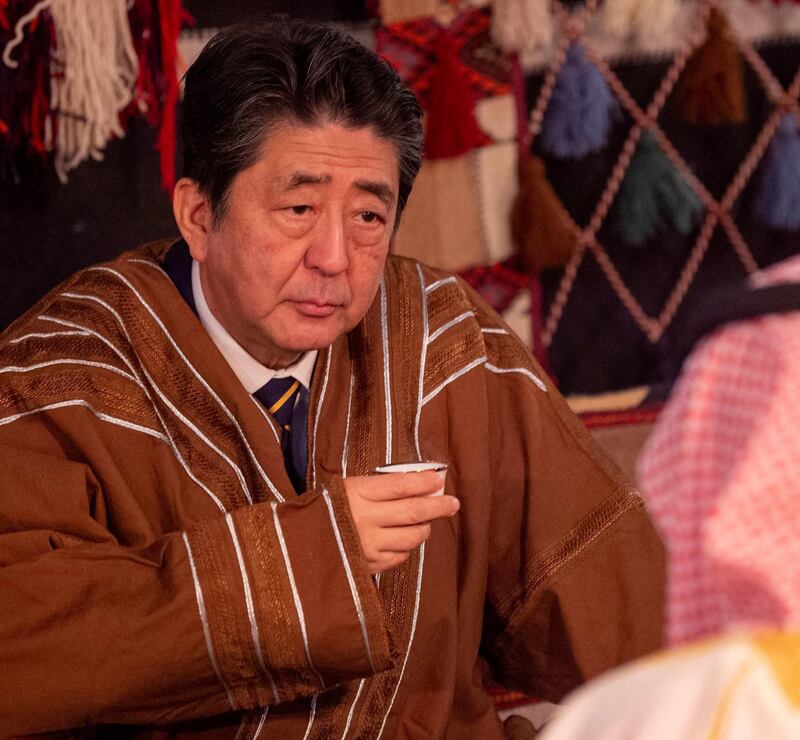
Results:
[315, 309]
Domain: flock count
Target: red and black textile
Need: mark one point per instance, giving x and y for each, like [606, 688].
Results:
[498, 284]
[410, 47]
[155, 25]
[25, 98]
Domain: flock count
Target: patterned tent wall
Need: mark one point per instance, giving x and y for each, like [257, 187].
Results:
[609, 319]
[460, 210]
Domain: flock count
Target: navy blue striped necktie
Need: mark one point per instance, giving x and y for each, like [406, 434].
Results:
[287, 400]
[291, 414]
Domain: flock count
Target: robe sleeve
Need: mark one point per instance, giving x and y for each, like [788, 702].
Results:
[261, 605]
[576, 568]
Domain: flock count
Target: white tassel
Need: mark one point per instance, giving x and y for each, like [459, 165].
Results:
[787, 20]
[647, 26]
[749, 18]
[93, 79]
[524, 27]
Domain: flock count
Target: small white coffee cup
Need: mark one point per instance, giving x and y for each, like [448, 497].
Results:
[419, 466]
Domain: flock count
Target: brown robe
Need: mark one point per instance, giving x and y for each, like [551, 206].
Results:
[158, 570]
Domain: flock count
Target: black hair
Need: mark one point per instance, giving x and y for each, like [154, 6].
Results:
[253, 77]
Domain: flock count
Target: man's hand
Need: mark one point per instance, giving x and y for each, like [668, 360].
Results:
[393, 512]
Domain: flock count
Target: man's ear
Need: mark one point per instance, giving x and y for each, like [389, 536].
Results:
[192, 213]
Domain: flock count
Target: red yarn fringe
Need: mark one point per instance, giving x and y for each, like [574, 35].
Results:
[155, 25]
[170, 20]
[450, 125]
[24, 89]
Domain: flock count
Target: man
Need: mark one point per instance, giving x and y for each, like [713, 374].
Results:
[720, 472]
[182, 557]
[741, 685]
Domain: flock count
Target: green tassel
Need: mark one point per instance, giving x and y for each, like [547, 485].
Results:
[654, 196]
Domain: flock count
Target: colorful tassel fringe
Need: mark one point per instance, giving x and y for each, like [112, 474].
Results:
[539, 225]
[450, 125]
[579, 115]
[777, 201]
[116, 62]
[654, 195]
[711, 88]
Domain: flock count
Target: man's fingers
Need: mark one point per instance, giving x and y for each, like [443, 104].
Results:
[388, 560]
[401, 485]
[402, 539]
[413, 510]
[392, 513]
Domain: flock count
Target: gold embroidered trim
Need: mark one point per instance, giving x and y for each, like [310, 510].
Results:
[278, 620]
[543, 570]
[158, 358]
[228, 620]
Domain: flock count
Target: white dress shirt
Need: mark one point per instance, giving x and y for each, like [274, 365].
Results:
[252, 374]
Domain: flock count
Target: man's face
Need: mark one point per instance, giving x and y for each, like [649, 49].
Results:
[298, 257]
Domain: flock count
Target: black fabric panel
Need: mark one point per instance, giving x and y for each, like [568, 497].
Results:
[49, 230]
[598, 347]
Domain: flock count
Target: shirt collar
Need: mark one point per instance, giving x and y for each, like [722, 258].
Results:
[251, 373]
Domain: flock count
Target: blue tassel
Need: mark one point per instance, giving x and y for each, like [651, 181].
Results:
[777, 202]
[653, 195]
[578, 118]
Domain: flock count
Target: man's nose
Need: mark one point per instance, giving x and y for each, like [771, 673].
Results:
[327, 251]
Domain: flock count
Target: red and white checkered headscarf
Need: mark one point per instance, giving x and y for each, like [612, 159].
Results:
[721, 476]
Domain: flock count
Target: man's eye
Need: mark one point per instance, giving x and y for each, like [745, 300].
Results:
[369, 217]
[300, 210]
